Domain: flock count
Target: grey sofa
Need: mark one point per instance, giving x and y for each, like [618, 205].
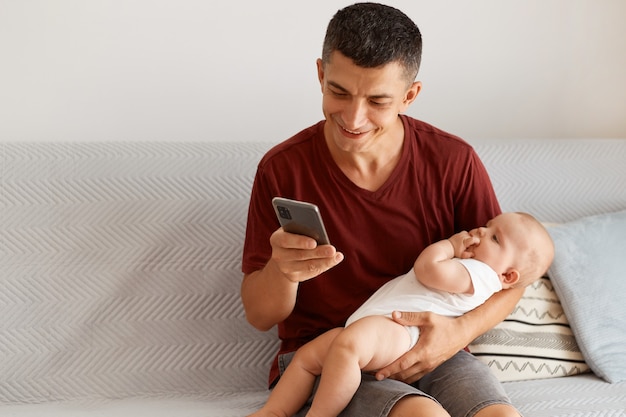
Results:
[120, 274]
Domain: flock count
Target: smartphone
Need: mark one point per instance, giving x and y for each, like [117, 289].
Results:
[301, 218]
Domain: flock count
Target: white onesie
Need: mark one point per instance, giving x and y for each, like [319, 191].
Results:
[406, 293]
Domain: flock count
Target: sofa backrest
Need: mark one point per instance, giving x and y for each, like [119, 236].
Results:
[557, 180]
[120, 271]
[120, 262]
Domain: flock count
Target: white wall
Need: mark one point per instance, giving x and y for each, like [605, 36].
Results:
[245, 70]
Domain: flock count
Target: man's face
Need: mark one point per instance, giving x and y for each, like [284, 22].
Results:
[361, 105]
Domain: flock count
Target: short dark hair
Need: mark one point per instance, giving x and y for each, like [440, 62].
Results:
[373, 35]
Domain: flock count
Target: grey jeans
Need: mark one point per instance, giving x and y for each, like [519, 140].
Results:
[462, 385]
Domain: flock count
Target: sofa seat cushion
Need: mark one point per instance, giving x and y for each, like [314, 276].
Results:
[236, 404]
[575, 396]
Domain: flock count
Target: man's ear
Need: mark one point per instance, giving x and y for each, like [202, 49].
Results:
[510, 278]
[411, 95]
[320, 72]
[413, 91]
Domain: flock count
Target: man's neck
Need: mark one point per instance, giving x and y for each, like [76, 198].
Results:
[371, 168]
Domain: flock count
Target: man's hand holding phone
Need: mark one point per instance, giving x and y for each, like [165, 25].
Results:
[299, 258]
[301, 249]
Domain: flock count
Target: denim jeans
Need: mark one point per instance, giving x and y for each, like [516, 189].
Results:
[462, 385]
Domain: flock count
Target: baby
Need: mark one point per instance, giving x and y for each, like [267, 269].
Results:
[449, 277]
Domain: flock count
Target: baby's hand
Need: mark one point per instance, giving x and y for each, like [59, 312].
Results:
[461, 242]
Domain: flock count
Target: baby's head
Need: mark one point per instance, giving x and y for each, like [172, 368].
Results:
[537, 253]
[516, 246]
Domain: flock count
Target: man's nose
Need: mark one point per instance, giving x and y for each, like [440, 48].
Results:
[355, 113]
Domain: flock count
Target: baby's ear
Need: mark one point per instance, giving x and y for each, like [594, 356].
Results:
[510, 278]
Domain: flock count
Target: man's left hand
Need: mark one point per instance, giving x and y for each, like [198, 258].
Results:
[440, 338]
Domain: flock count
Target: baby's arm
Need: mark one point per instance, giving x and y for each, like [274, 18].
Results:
[435, 268]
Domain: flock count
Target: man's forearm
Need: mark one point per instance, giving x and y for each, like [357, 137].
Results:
[490, 313]
[267, 297]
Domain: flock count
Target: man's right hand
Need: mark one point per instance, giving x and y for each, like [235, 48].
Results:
[298, 258]
[269, 294]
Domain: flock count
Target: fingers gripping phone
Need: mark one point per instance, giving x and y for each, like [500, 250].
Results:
[300, 218]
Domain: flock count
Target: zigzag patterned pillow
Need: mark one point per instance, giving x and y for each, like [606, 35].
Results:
[534, 342]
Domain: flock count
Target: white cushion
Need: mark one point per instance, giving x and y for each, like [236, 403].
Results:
[534, 342]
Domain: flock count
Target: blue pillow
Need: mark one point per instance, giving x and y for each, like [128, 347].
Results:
[589, 276]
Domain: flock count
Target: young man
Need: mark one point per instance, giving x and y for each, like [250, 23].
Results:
[387, 186]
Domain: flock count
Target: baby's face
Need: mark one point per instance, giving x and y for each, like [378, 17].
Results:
[500, 241]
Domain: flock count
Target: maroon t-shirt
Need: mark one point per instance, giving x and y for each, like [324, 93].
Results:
[438, 188]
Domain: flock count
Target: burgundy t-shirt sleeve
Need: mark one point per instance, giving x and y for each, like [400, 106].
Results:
[261, 223]
[477, 194]
[282, 172]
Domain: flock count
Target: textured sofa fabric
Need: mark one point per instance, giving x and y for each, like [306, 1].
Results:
[120, 273]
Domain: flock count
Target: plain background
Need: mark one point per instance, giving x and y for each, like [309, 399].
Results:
[179, 70]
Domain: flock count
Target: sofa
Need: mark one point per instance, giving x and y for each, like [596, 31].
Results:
[120, 275]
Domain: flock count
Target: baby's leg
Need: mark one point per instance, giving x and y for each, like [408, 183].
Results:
[368, 344]
[296, 384]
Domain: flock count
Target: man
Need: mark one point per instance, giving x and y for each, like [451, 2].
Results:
[387, 186]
